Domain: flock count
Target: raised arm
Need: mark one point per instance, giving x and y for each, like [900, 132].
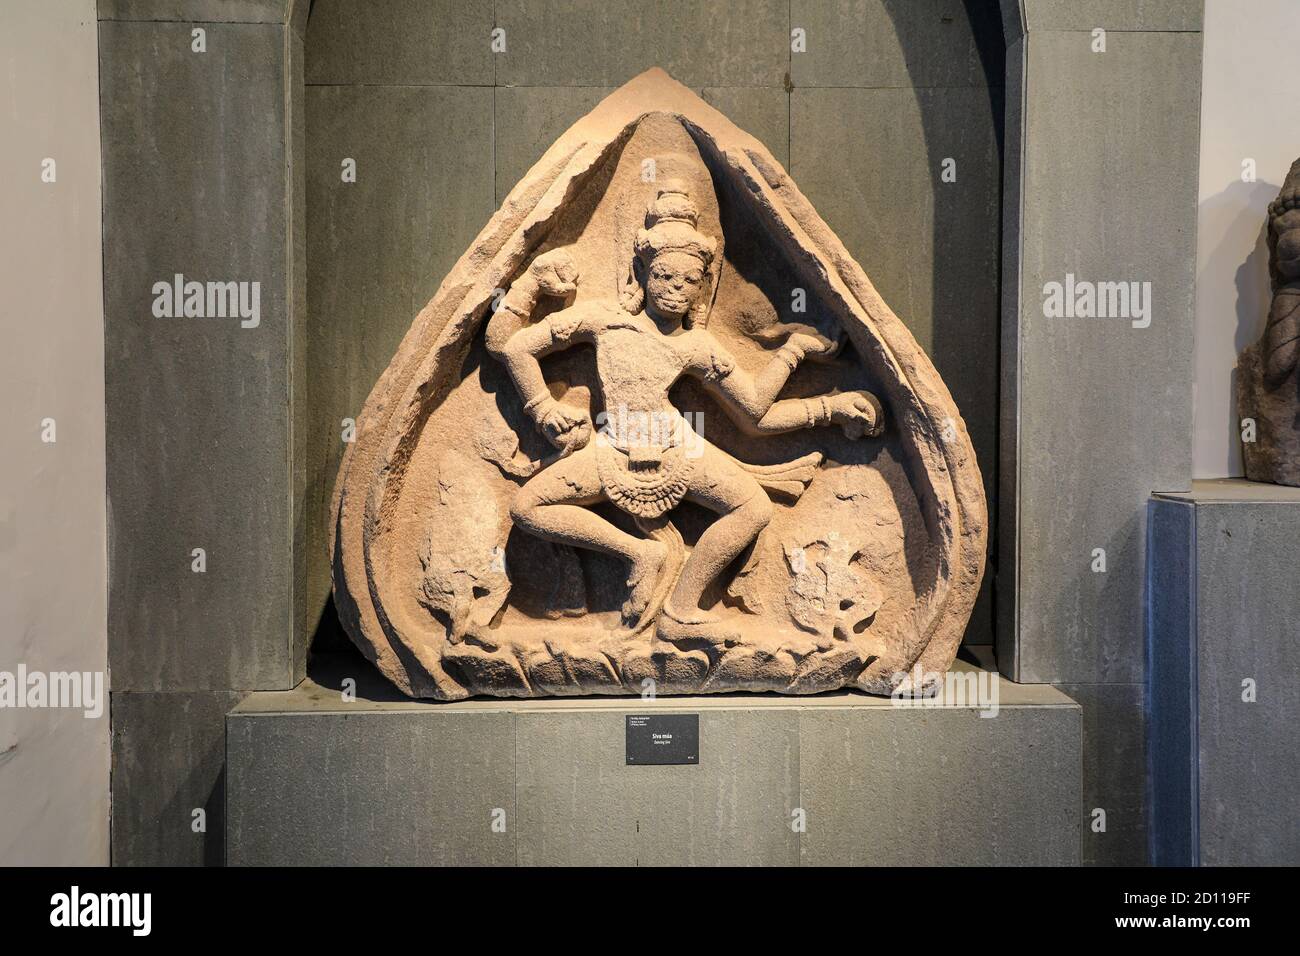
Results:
[751, 400]
[519, 344]
[551, 273]
[857, 412]
[752, 396]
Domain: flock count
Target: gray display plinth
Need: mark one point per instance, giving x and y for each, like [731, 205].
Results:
[1225, 704]
[839, 778]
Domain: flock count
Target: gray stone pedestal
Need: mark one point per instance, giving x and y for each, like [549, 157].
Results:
[838, 778]
[1224, 660]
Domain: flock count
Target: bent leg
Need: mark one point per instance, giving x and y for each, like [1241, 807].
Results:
[551, 506]
[721, 485]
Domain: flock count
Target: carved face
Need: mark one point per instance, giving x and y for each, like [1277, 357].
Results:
[674, 282]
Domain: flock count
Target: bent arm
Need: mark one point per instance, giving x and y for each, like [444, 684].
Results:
[794, 413]
[787, 415]
[751, 400]
[511, 313]
[552, 273]
[520, 356]
[754, 395]
[522, 350]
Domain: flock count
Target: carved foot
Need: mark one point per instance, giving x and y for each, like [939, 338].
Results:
[641, 579]
[698, 626]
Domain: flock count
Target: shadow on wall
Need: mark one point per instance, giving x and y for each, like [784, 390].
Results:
[965, 333]
[1238, 213]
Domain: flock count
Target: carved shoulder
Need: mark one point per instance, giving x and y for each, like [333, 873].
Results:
[581, 321]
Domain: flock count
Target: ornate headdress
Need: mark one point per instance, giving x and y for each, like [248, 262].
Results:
[670, 227]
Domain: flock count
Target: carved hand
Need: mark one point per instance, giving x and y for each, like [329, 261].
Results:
[566, 427]
[859, 413]
[806, 345]
[555, 272]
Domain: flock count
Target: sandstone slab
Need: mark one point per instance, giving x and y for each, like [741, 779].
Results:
[657, 429]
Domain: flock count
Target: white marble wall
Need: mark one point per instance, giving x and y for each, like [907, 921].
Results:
[1249, 112]
[54, 762]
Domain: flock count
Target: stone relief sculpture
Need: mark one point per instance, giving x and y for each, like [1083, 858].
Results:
[1268, 386]
[657, 426]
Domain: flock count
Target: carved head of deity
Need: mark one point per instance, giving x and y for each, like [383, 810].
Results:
[673, 259]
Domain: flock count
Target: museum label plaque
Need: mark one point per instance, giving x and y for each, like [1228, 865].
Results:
[663, 739]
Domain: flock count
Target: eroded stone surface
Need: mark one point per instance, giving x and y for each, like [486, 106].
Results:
[1268, 384]
[657, 426]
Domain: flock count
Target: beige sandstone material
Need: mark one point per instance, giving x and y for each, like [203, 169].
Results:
[657, 426]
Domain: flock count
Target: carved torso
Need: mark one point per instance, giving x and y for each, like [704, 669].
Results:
[638, 364]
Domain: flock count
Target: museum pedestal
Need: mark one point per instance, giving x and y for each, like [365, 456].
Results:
[1225, 615]
[839, 778]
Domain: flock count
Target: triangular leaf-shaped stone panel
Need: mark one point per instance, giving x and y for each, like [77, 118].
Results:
[870, 575]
